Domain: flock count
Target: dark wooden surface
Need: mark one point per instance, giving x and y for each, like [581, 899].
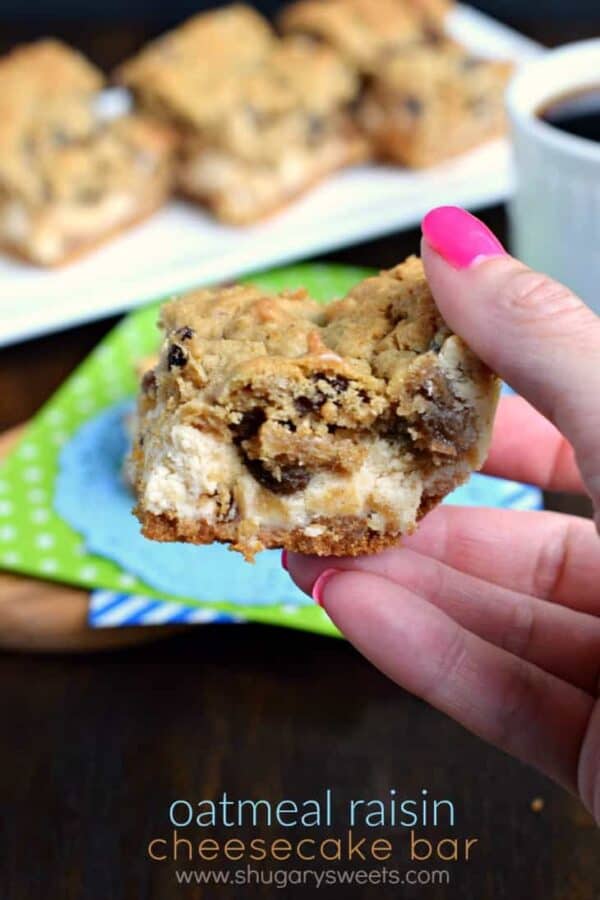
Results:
[94, 749]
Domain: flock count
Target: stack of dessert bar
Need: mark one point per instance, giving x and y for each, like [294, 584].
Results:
[233, 115]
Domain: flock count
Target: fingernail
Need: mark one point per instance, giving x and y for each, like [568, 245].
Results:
[284, 562]
[318, 587]
[460, 238]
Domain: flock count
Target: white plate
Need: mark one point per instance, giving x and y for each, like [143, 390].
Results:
[182, 246]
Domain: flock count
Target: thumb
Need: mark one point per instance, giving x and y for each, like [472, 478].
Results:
[535, 333]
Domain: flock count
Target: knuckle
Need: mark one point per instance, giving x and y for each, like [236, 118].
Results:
[516, 706]
[533, 296]
[520, 627]
[552, 563]
[450, 662]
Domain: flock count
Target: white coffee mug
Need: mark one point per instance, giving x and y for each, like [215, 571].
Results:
[555, 209]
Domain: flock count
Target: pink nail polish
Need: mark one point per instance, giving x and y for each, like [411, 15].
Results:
[460, 238]
[284, 560]
[319, 585]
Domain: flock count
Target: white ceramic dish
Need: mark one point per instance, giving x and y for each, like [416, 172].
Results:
[182, 246]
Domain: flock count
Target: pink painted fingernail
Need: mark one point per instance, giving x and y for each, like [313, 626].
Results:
[320, 584]
[460, 238]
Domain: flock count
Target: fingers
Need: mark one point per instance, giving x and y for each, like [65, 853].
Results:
[503, 699]
[543, 554]
[527, 447]
[554, 638]
[533, 332]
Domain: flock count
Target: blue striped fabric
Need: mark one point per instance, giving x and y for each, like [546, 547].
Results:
[108, 609]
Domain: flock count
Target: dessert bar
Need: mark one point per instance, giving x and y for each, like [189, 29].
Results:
[366, 32]
[428, 104]
[260, 119]
[69, 178]
[273, 421]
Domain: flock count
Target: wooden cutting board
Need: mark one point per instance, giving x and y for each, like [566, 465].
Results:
[40, 616]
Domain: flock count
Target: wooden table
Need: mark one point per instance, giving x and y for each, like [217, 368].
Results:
[95, 748]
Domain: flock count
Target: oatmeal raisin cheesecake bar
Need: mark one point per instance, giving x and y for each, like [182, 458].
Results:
[366, 32]
[273, 421]
[427, 104]
[425, 98]
[260, 119]
[186, 75]
[69, 179]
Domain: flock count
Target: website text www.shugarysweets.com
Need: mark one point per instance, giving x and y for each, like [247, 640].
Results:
[320, 834]
[283, 878]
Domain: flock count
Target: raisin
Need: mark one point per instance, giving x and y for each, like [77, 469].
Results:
[177, 356]
[293, 478]
[316, 126]
[433, 35]
[149, 382]
[248, 425]
[396, 430]
[306, 405]
[413, 106]
[447, 420]
[448, 427]
[185, 333]
[337, 382]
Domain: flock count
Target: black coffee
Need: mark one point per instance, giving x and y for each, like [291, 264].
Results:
[577, 113]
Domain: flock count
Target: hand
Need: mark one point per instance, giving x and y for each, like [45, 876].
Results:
[493, 616]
